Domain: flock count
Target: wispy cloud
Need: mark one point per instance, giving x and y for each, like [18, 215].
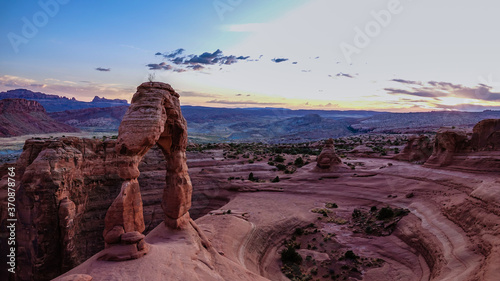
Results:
[344, 75]
[103, 69]
[435, 89]
[247, 102]
[159, 66]
[196, 94]
[278, 60]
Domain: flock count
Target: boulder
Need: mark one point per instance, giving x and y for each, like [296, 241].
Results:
[328, 158]
[418, 149]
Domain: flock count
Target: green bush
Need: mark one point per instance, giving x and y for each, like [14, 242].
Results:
[279, 159]
[351, 255]
[385, 213]
[290, 256]
[299, 162]
[276, 179]
[331, 205]
[281, 167]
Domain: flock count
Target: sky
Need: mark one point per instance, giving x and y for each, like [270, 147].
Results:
[386, 55]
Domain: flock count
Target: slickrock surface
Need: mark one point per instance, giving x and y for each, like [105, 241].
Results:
[448, 234]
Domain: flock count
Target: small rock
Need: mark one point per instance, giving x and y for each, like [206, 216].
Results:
[113, 236]
[132, 237]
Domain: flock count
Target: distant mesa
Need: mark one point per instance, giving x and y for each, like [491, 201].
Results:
[98, 99]
[21, 117]
[55, 103]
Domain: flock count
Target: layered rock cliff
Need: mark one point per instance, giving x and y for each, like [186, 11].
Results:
[22, 117]
[479, 151]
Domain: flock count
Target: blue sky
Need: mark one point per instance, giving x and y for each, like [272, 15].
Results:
[417, 55]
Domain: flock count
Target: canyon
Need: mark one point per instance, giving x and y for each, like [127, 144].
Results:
[346, 213]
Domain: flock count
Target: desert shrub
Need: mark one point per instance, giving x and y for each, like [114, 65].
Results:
[298, 231]
[351, 255]
[331, 205]
[290, 256]
[251, 177]
[299, 162]
[356, 213]
[276, 179]
[281, 167]
[279, 159]
[385, 213]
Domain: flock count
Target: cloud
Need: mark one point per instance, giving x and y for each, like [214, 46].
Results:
[103, 69]
[278, 60]
[344, 75]
[393, 91]
[196, 67]
[196, 62]
[407, 81]
[197, 95]
[160, 66]
[175, 53]
[435, 89]
[247, 102]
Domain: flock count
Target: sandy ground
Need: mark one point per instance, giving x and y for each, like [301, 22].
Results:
[451, 233]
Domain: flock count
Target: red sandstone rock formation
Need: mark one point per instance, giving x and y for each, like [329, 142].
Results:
[328, 158]
[21, 117]
[455, 149]
[154, 117]
[418, 149]
[486, 135]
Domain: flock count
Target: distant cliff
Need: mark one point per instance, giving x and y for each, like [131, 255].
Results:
[22, 117]
[54, 103]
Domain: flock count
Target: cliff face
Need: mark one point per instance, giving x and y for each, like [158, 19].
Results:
[65, 187]
[480, 151]
[22, 117]
[108, 118]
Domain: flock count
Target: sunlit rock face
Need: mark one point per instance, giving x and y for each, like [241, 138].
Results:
[328, 158]
[154, 117]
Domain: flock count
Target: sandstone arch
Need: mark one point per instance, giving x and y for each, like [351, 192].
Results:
[154, 117]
